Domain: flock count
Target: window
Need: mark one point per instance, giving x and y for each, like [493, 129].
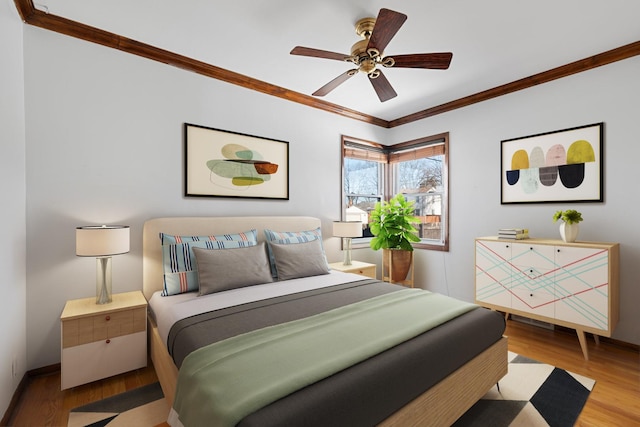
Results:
[363, 177]
[417, 169]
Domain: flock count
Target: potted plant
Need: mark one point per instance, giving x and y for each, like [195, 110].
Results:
[569, 228]
[391, 224]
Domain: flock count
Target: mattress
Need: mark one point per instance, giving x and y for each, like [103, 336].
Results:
[364, 394]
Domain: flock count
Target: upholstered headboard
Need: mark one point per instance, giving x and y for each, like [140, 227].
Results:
[152, 272]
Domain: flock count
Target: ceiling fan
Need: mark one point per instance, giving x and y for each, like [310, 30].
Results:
[367, 54]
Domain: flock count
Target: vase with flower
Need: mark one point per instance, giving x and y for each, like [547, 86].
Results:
[569, 227]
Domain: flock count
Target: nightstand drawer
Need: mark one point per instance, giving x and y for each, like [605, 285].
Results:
[82, 364]
[366, 271]
[357, 267]
[102, 326]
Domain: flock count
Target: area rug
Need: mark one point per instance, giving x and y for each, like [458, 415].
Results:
[143, 407]
[532, 394]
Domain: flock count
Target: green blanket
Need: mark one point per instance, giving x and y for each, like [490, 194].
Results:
[220, 384]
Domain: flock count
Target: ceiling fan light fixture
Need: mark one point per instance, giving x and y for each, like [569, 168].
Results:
[367, 54]
[368, 65]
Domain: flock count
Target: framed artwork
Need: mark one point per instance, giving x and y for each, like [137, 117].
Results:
[220, 163]
[559, 166]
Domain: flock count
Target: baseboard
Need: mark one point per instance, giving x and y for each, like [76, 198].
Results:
[24, 382]
[13, 404]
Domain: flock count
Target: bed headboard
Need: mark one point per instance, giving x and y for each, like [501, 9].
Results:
[152, 271]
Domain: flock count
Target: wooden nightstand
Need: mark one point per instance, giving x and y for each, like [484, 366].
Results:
[99, 341]
[357, 267]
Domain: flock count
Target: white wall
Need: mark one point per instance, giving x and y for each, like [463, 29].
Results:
[609, 94]
[13, 347]
[104, 145]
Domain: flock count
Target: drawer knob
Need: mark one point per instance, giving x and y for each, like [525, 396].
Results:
[108, 341]
[108, 318]
[530, 295]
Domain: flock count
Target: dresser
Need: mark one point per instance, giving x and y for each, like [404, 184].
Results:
[99, 341]
[574, 285]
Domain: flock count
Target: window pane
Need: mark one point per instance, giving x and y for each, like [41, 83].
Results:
[361, 176]
[362, 191]
[419, 175]
[420, 180]
[359, 208]
[429, 209]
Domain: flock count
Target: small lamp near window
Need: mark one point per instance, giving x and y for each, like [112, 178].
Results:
[102, 242]
[347, 230]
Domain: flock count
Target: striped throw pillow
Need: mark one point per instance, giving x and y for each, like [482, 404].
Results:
[179, 262]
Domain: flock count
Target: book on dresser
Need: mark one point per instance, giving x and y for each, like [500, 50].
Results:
[513, 233]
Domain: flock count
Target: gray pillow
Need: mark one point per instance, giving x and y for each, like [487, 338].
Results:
[295, 260]
[221, 270]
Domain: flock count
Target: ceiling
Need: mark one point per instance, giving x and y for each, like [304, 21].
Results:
[494, 42]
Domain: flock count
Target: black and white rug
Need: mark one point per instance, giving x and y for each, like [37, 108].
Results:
[532, 394]
[142, 407]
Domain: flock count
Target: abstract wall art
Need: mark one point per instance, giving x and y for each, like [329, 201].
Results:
[221, 163]
[559, 166]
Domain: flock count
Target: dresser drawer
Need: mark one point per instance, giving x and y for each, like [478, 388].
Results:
[103, 326]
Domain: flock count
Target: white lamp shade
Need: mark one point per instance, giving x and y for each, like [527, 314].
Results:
[100, 241]
[347, 229]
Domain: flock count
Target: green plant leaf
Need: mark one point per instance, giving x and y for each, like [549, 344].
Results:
[392, 224]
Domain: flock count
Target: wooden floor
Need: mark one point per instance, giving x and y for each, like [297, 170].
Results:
[614, 401]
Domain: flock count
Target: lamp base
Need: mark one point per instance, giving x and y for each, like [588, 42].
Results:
[346, 243]
[103, 280]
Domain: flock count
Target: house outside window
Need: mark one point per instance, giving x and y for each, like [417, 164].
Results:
[417, 169]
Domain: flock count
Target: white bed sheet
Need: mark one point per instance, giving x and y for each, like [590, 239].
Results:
[169, 310]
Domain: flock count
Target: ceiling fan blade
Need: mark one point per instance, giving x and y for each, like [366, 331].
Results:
[387, 25]
[383, 87]
[335, 83]
[317, 53]
[436, 61]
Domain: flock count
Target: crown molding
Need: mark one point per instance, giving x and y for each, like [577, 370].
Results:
[32, 16]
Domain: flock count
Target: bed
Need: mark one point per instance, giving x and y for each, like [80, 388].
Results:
[429, 379]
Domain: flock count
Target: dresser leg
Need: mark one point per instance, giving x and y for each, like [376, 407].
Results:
[583, 343]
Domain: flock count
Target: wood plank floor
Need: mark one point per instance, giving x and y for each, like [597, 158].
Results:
[614, 401]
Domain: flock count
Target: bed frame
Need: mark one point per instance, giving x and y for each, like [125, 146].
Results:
[441, 405]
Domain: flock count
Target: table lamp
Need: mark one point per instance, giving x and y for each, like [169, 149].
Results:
[347, 230]
[102, 242]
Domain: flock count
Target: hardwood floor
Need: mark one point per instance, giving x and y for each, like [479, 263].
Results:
[614, 401]
[43, 404]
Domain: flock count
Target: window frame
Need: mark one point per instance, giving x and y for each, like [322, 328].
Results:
[389, 155]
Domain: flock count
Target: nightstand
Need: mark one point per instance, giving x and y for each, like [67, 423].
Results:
[99, 341]
[357, 267]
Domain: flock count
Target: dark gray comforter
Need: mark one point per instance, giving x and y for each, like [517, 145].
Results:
[364, 394]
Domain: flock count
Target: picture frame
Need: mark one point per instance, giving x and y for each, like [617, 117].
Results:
[221, 163]
[559, 166]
